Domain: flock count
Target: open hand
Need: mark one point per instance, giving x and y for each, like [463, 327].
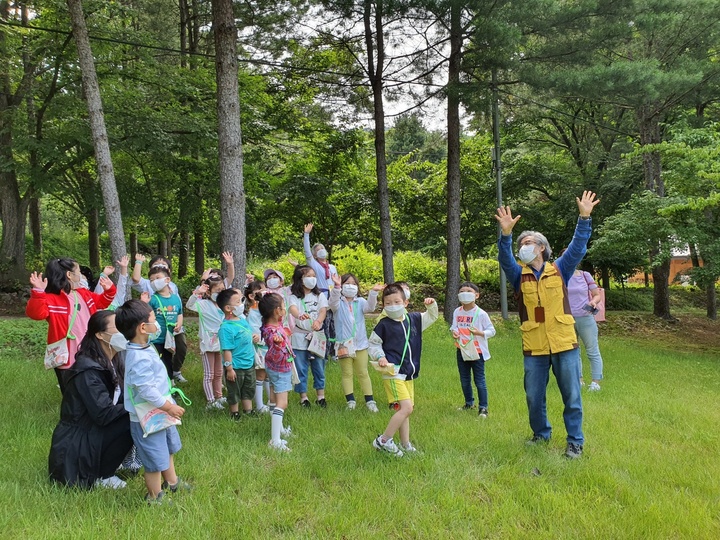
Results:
[140, 257]
[202, 290]
[37, 281]
[378, 287]
[108, 270]
[228, 257]
[105, 283]
[205, 274]
[586, 203]
[506, 220]
[122, 262]
[308, 228]
[336, 280]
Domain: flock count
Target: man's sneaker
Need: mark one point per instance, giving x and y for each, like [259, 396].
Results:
[286, 432]
[483, 412]
[305, 403]
[351, 405]
[178, 377]
[536, 439]
[372, 406]
[321, 402]
[263, 410]
[466, 407]
[159, 500]
[180, 485]
[112, 483]
[387, 446]
[214, 406]
[280, 446]
[409, 448]
[573, 451]
[594, 387]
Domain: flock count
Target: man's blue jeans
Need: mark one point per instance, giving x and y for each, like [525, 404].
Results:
[537, 375]
[469, 370]
[303, 358]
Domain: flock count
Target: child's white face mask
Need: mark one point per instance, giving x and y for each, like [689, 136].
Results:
[159, 284]
[466, 297]
[349, 290]
[238, 311]
[309, 282]
[273, 283]
[396, 312]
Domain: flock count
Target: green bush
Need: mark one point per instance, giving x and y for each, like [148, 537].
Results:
[485, 273]
[26, 336]
[416, 267]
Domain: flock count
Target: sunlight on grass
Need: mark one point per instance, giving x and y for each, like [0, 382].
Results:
[650, 468]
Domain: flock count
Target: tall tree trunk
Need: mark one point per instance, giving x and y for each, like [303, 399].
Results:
[13, 208]
[199, 249]
[661, 291]
[605, 277]
[453, 165]
[711, 301]
[133, 247]
[375, 73]
[230, 157]
[184, 254]
[103, 159]
[36, 225]
[93, 218]
[649, 127]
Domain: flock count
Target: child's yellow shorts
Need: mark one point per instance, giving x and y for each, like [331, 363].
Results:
[398, 390]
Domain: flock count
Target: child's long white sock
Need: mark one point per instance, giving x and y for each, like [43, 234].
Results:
[266, 385]
[276, 423]
[259, 394]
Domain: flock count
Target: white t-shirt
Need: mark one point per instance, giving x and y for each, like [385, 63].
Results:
[311, 304]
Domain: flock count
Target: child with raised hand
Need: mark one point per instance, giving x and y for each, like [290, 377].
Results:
[253, 293]
[351, 337]
[470, 323]
[60, 299]
[146, 380]
[236, 343]
[168, 313]
[122, 282]
[204, 302]
[278, 364]
[396, 341]
[308, 306]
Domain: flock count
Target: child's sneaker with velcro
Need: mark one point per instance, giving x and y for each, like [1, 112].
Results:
[388, 446]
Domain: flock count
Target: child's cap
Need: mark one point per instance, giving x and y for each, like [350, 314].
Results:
[269, 271]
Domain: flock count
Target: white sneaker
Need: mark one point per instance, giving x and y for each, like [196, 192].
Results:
[178, 377]
[286, 432]
[372, 406]
[387, 446]
[263, 410]
[594, 387]
[351, 405]
[280, 446]
[112, 483]
[214, 405]
[409, 448]
[222, 401]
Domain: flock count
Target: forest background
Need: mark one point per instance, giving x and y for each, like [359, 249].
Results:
[618, 97]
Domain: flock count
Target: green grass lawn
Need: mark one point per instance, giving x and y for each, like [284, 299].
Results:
[650, 468]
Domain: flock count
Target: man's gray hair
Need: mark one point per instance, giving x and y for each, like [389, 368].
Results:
[541, 241]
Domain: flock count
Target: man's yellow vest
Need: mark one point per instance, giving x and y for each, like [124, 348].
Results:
[548, 298]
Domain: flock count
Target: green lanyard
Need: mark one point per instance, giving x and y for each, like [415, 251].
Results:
[75, 310]
[163, 310]
[173, 390]
[407, 339]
